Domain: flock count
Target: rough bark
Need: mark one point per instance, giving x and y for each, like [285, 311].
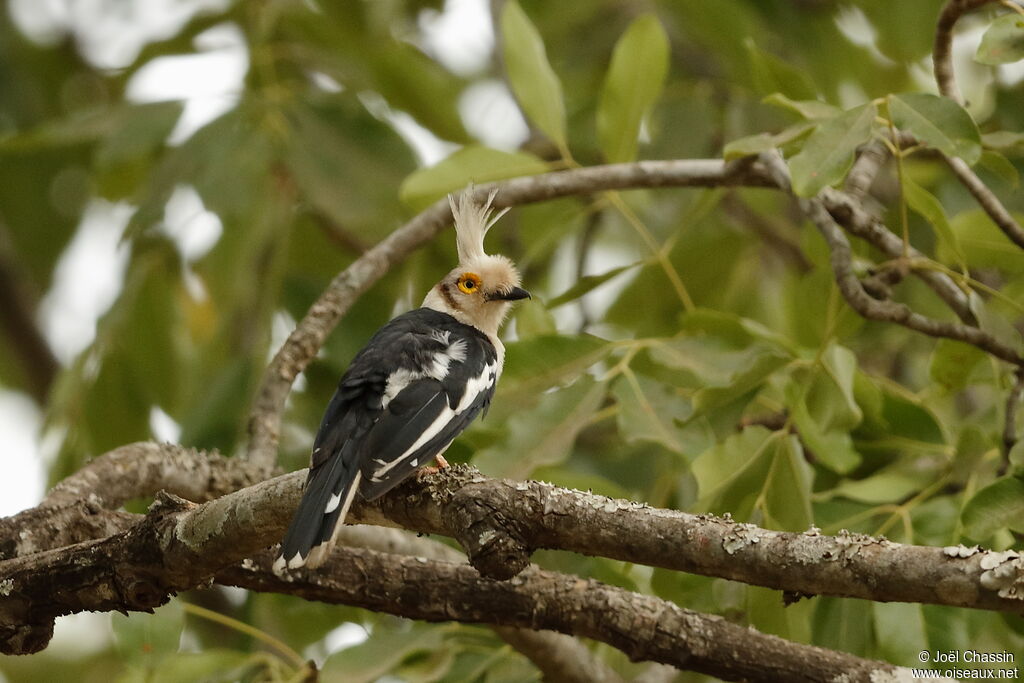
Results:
[642, 626]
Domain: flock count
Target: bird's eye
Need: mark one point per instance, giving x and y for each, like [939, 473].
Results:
[469, 282]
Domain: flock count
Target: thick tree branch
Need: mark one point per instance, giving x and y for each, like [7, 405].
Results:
[178, 546]
[141, 469]
[499, 522]
[865, 169]
[644, 627]
[561, 658]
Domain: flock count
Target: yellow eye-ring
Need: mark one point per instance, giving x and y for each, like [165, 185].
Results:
[469, 282]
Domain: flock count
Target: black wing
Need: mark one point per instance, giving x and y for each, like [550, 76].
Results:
[419, 423]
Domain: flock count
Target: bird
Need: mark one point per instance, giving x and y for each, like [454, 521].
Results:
[420, 380]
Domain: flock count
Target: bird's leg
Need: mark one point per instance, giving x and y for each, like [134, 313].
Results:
[442, 464]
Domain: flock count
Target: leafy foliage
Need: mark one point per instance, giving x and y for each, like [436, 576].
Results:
[682, 357]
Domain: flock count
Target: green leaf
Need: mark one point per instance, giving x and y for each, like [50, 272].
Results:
[346, 163]
[828, 153]
[899, 631]
[891, 485]
[983, 243]
[939, 122]
[534, 82]
[822, 404]
[762, 142]
[733, 329]
[650, 410]
[543, 435]
[808, 109]
[381, 653]
[634, 82]
[997, 506]
[470, 164]
[1000, 166]
[952, 363]
[756, 366]
[731, 475]
[536, 364]
[587, 283]
[836, 406]
[1003, 41]
[534, 319]
[770, 74]
[1005, 141]
[215, 665]
[925, 203]
[787, 489]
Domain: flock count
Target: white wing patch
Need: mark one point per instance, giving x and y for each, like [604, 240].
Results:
[474, 386]
[436, 369]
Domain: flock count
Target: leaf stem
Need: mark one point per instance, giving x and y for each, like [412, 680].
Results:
[248, 630]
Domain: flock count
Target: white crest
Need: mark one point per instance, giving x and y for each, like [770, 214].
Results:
[472, 221]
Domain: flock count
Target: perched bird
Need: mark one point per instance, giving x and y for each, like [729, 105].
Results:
[418, 382]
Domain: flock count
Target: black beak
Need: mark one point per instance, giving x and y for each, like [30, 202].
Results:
[513, 294]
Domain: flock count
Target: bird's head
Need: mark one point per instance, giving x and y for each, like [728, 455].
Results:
[481, 288]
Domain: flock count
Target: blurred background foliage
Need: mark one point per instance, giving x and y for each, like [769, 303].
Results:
[687, 348]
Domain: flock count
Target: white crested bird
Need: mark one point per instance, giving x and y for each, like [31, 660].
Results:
[418, 382]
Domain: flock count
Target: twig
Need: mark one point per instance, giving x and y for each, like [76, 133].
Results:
[987, 200]
[945, 78]
[865, 169]
[17, 318]
[1013, 404]
[857, 221]
[889, 311]
[942, 52]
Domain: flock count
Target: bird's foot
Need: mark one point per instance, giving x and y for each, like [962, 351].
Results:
[442, 464]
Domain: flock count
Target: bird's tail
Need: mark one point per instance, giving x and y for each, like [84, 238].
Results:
[314, 529]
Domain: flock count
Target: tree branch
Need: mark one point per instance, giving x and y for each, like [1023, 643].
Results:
[818, 210]
[17, 318]
[309, 335]
[561, 658]
[500, 522]
[1013, 403]
[945, 78]
[644, 627]
[987, 200]
[942, 52]
[141, 469]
